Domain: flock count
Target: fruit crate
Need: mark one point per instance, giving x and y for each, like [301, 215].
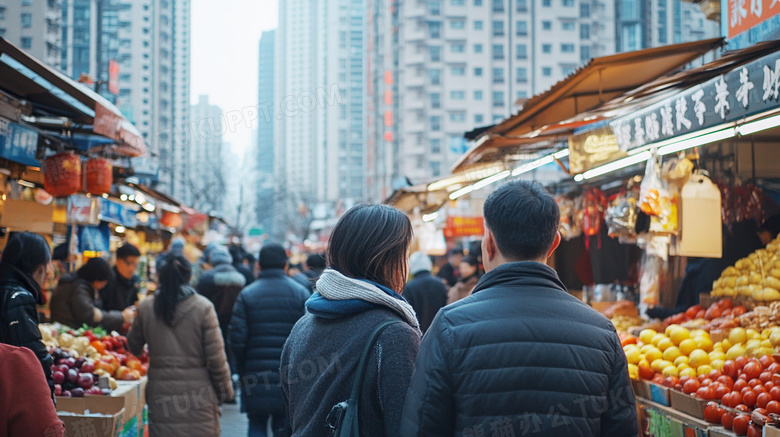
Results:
[688, 404]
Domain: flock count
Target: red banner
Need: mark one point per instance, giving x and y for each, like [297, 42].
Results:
[113, 77]
[746, 14]
[458, 226]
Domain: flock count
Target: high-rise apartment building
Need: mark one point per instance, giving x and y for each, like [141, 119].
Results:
[35, 27]
[643, 24]
[264, 171]
[206, 177]
[154, 80]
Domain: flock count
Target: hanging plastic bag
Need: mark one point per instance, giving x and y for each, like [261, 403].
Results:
[650, 191]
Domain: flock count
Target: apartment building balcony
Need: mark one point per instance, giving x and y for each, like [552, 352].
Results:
[413, 102]
[413, 80]
[412, 58]
[415, 32]
[415, 9]
[412, 125]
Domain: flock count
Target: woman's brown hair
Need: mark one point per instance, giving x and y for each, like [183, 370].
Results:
[371, 242]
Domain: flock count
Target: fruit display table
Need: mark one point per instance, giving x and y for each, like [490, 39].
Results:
[660, 421]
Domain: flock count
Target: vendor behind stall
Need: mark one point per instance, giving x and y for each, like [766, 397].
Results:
[700, 273]
[76, 300]
[122, 291]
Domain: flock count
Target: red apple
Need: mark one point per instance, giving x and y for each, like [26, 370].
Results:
[87, 367]
[85, 381]
[57, 390]
[58, 377]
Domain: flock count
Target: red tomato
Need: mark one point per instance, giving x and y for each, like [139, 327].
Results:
[730, 369]
[714, 374]
[740, 424]
[768, 386]
[725, 303]
[691, 386]
[658, 379]
[700, 314]
[727, 420]
[739, 385]
[742, 407]
[691, 312]
[727, 381]
[752, 370]
[738, 311]
[741, 361]
[763, 399]
[776, 378]
[713, 413]
[774, 368]
[721, 390]
[735, 398]
[749, 398]
[754, 382]
[706, 382]
[755, 431]
[766, 361]
[773, 407]
[775, 392]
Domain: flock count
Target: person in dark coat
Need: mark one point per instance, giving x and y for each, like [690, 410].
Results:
[22, 274]
[263, 317]
[122, 291]
[76, 301]
[239, 255]
[359, 292]
[424, 293]
[469, 276]
[520, 355]
[315, 265]
[449, 271]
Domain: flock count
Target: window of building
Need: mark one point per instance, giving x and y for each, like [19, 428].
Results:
[568, 26]
[478, 71]
[26, 42]
[546, 25]
[546, 71]
[457, 117]
[522, 94]
[522, 75]
[2, 31]
[478, 24]
[568, 70]
[435, 145]
[457, 95]
[584, 31]
[458, 24]
[2, 12]
[435, 168]
[434, 29]
[477, 48]
[521, 51]
[477, 2]
[435, 100]
[435, 75]
[435, 123]
[568, 3]
[567, 48]
[26, 2]
[26, 20]
[498, 98]
[498, 75]
[498, 28]
[522, 28]
[457, 47]
[477, 94]
[584, 10]
[522, 6]
[498, 6]
[435, 52]
[498, 51]
[479, 118]
[629, 9]
[546, 3]
[434, 7]
[584, 54]
[546, 48]
[457, 2]
[458, 71]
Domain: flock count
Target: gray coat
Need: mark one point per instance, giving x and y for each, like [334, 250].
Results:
[318, 367]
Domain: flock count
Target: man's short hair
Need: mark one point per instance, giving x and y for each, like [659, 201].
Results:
[273, 256]
[127, 251]
[316, 261]
[523, 218]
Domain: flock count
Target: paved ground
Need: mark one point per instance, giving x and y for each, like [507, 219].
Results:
[234, 423]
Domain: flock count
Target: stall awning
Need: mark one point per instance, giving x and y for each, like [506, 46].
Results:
[54, 95]
[596, 83]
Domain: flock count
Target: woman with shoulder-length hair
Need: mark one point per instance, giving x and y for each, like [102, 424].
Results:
[188, 372]
[367, 259]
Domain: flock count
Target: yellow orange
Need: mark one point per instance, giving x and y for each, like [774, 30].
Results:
[677, 335]
[653, 354]
[671, 353]
[687, 346]
[646, 336]
[704, 343]
[669, 371]
[657, 339]
[738, 335]
[698, 358]
[704, 370]
[633, 356]
[664, 344]
[682, 359]
[690, 372]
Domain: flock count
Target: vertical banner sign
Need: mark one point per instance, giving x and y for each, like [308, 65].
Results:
[743, 15]
[113, 77]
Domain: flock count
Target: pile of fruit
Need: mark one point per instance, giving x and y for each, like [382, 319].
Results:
[76, 377]
[756, 277]
[624, 323]
[106, 354]
[675, 352]
[721, 314]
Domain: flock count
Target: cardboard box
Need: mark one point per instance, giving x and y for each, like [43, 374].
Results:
[639, 388]
[134, 395]
[771, 431]
[100, 416]
[659, 394]
[687, 404]
[719, 431]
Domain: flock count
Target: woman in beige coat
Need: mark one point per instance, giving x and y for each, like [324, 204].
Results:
[188, 371]
[469, 276]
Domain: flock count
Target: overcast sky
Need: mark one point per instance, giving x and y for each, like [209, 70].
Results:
[225, 36]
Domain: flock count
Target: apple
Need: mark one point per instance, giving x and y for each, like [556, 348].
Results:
[87, 367]
[94, 391]
[70, 362]
[58, 377]
[66, 394]
[77, 392]
[63, 368]
[72, 376]
[57, 390]
[80, 362]
[85, 381]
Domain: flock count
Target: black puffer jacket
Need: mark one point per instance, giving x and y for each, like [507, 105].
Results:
[120, 293]
[221, 285]
[19, 295]
[520, 354]
[263, 317]
[75, 303]
[426, 294]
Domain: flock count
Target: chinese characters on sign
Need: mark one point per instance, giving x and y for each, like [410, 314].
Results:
[746, 14]
[745, 91]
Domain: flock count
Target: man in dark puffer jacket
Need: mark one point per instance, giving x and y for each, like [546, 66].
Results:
[520, 356]
[263, 317]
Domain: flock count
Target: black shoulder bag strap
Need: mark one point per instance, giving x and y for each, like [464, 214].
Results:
[343, 418]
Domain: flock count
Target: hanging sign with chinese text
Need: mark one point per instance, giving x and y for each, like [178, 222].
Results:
[18, 143]
[116, 213]
[744, 91]
[593, 148]
[743, 15]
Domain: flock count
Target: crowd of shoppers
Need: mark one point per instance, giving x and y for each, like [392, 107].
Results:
[338, 345]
